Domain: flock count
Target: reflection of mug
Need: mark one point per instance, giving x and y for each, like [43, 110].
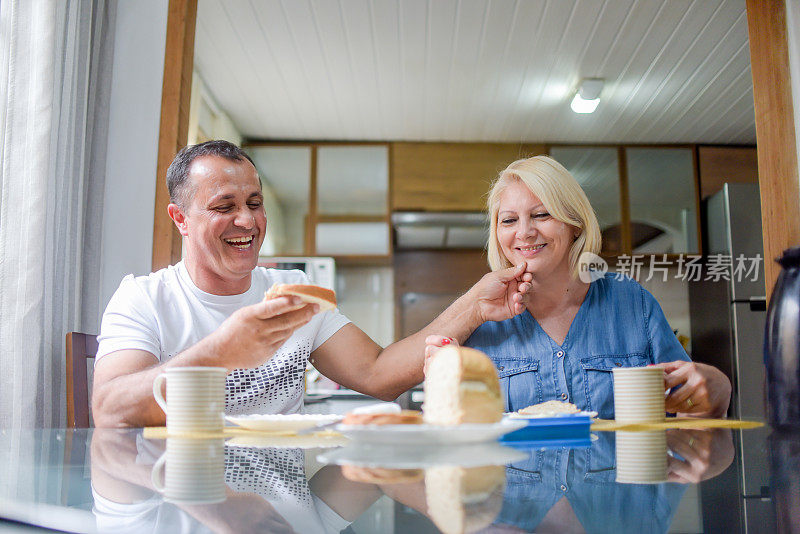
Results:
[194, 471]
[196, 398]
[642, 457]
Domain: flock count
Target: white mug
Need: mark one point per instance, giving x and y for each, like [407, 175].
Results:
[639, 394]
[194, 471]
[195, 399]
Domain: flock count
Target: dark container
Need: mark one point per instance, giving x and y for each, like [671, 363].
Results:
[782, 345]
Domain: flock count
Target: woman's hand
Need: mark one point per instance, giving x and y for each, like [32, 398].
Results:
[704, 390]
[433, 344]
[705, 453]
[500, 295]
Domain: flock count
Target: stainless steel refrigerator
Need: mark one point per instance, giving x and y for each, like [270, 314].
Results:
[727, 325]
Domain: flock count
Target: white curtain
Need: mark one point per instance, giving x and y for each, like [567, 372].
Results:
[55, 61]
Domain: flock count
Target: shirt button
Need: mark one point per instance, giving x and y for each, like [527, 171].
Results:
[560, 353]
[500, 367]
[618, 364]
[564, 396]
[563, 487]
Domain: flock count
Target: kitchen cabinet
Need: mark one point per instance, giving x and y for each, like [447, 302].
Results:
[326, 199]
[646, 197]
[662, 194]
[724, 164]
[285, 173]
[449, 176]
[597, 171]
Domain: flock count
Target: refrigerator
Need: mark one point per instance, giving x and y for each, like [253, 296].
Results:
[727, 329]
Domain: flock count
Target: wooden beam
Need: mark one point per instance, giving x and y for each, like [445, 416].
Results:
[174, 129]
[775, 134]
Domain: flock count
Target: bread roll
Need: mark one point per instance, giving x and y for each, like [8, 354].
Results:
[326, 298]
[464, 499]
[461, 386]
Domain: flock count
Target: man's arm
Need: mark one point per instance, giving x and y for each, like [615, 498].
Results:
[123, 380]
[351, 358]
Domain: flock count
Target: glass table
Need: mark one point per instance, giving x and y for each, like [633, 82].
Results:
[117, 481]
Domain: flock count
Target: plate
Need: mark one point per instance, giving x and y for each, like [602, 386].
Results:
[282, 422]
[430, 434]
[405, 456]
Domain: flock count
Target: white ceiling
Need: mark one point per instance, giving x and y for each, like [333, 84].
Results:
[479, 70]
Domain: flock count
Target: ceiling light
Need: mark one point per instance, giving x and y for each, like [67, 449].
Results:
[588, 96]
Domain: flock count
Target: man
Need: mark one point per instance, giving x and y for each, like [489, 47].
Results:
[208, 310]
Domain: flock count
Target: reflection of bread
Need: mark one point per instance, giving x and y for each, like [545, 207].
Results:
[405, 417]
[551, 407]
[461, 386]
[326, 298]
[464, 499]
[380, 475]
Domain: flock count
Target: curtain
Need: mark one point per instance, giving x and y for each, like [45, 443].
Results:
[55, 61]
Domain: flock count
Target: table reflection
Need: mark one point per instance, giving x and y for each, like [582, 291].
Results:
[466, 488]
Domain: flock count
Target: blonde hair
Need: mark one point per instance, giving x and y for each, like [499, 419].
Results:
[562, 197]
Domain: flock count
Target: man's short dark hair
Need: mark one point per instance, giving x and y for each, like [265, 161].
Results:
[178, 184]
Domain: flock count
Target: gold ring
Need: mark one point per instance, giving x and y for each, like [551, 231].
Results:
[689, 403]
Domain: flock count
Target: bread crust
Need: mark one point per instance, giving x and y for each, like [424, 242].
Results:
[405, 417]
[475, 365]
[312, 294]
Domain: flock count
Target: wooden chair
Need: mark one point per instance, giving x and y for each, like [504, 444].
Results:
[80, 349]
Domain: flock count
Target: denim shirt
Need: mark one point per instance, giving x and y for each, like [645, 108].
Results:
[619, 324]
[586, 477]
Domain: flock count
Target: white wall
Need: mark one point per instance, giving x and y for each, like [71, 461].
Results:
[135, 110]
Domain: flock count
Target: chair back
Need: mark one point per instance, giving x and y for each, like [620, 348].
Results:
[80, 349]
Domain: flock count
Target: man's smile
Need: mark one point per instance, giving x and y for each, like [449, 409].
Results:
[242, 243]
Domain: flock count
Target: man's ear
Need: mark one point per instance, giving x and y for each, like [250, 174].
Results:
[179, 218]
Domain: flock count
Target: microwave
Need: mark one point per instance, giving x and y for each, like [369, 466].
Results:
[321, 271]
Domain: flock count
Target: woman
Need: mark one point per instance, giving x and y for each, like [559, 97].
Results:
[565, 334]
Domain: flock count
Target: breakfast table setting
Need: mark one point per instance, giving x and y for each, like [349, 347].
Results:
[459, 465]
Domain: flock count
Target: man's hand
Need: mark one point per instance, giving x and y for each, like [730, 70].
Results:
[252, 334]
[500, 295]
[704, 390]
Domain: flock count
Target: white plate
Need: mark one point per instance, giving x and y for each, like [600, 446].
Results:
[281, 422]
[405, 456]
[430, 434]
[517, 415]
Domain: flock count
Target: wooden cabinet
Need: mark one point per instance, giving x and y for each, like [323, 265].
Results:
[449, 176]
[721, 164]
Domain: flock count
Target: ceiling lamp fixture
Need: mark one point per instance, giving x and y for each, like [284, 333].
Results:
[588, 96]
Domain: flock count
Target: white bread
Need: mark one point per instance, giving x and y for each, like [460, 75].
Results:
[463, 499]
[461, 386]
[326, 298]
[549, 408]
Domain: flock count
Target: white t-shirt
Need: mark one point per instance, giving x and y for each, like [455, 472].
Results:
[165, 313]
